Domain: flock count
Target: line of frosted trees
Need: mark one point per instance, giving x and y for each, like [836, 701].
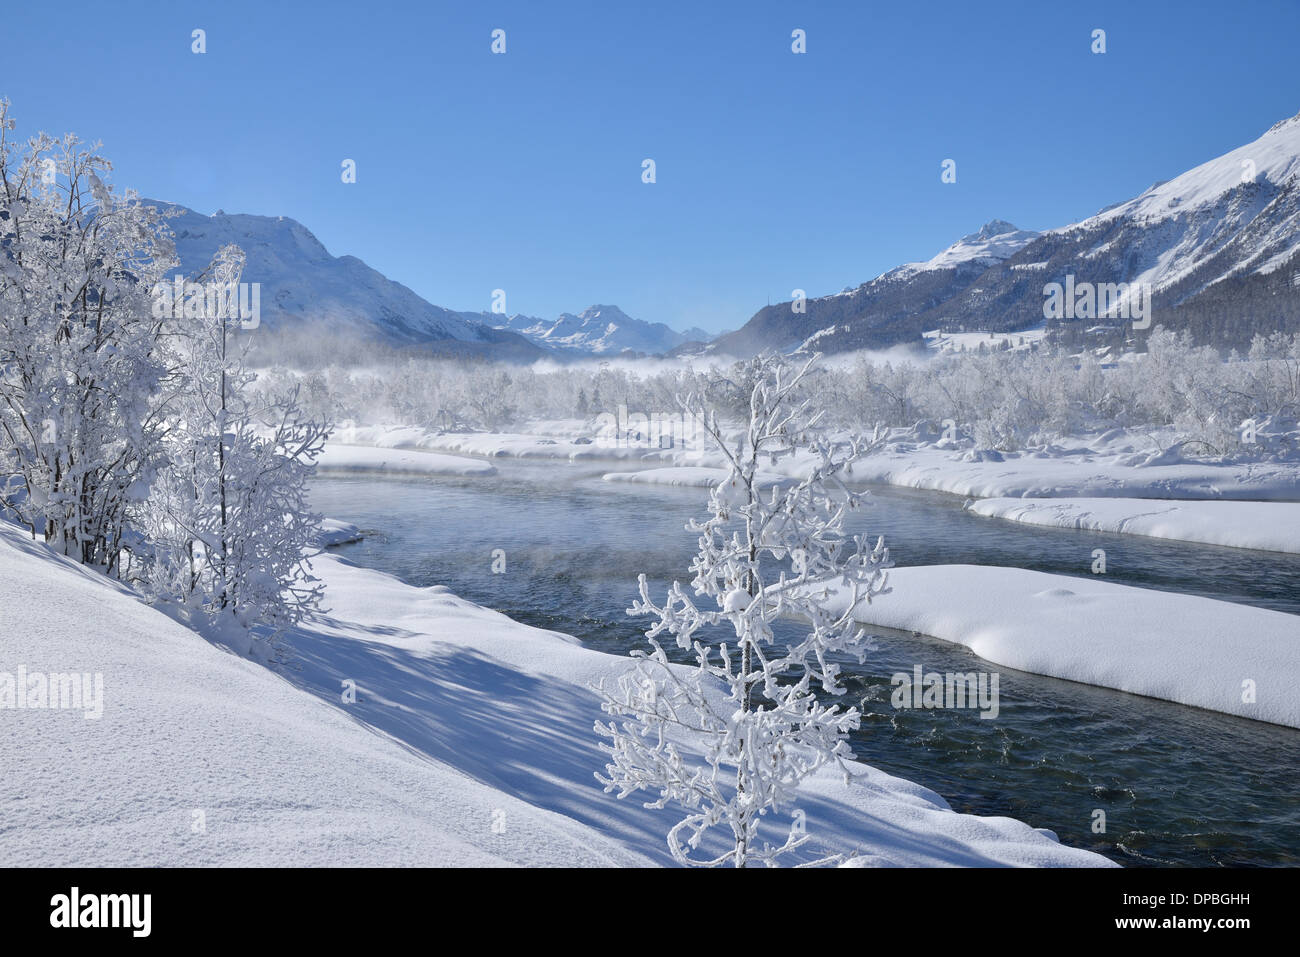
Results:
[130, 438]
[1001, 400]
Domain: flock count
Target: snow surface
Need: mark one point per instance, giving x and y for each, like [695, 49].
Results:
[1271, 526]
[940, 342]
[470, 742]
[281, 777]
[338, 459]
[1181, 648]
[1074, 469]
[333, 532]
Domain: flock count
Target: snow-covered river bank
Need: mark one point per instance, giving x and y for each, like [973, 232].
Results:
[1177, 784]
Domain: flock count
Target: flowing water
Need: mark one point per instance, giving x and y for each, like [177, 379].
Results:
[1177, 785]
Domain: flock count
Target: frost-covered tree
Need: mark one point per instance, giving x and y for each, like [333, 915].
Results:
[227, 520]
[750, 700]
[79, 351]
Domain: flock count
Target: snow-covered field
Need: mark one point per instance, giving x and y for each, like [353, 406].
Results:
[939, 341]
[470, 742]
[1218, 655]
[1271, 526]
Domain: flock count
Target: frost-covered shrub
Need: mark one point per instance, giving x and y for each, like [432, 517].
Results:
[750, 701]
[227, 520]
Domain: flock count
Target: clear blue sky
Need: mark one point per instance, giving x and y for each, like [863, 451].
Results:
[775, 171]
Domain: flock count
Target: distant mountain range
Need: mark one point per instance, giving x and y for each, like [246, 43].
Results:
[1218, 245]
[602, 331]
[304, 287]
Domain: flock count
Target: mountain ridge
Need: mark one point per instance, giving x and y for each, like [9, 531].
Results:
[305, 287]
[1218, 244]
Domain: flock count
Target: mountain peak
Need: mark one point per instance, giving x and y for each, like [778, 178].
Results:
[994, 227]
[995, 241]
[606, 313]
[1283, 124]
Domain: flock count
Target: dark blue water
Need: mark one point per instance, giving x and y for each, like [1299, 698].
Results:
[1177, 785]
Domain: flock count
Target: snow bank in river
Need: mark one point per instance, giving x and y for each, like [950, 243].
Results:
[333, 532]
[204, 758]
[1212, 654]
[337, 459]
[1271, 526]
[1075, 472]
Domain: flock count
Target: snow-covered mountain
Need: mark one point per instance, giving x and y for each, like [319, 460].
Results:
[1218, 245]
[993, 243]
[601, 330]
[304, 286]
[882, 312]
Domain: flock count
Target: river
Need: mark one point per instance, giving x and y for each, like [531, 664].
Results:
[1177, 785]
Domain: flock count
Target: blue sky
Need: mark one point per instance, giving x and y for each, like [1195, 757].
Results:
[775, 171]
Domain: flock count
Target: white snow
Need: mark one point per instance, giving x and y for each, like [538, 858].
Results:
[1115, 465]
[1271, 526]
[333, 532]
[470, 742]
[942, 342]
[1181, 648]
[338, 459]
[278, 776]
